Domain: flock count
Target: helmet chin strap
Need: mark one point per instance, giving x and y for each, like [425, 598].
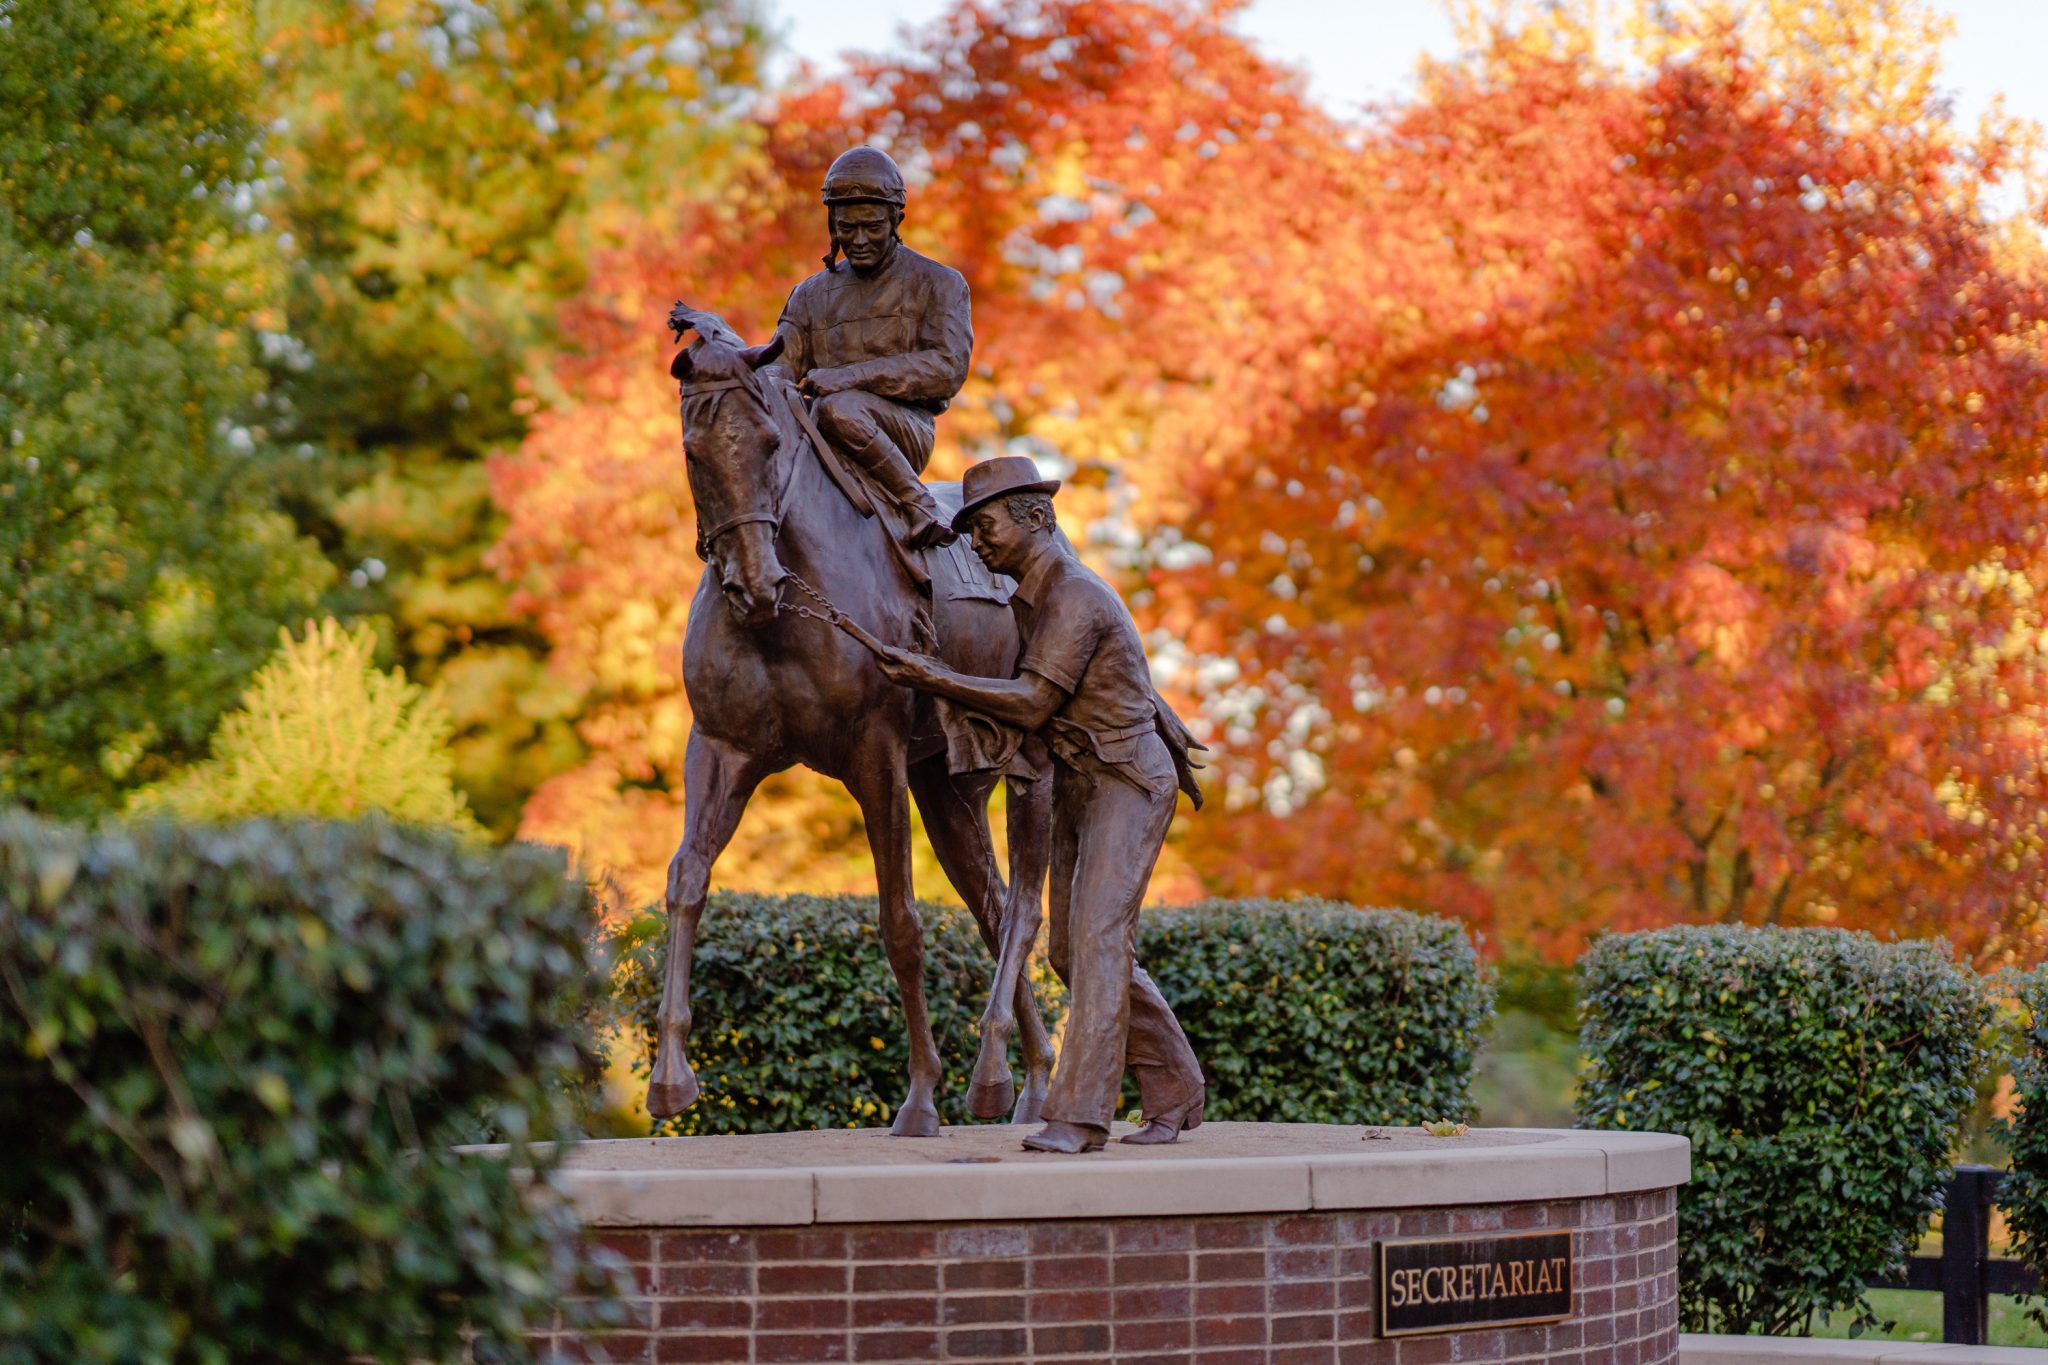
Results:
[831, 258]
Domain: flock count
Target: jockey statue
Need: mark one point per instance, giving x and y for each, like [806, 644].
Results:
[881, 343]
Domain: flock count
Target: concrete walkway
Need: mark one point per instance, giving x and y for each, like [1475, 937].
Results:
[1695, 1349]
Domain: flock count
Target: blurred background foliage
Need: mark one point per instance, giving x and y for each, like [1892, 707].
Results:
[147, 563]
[444, 174]
[1601, 489]
[324, 733]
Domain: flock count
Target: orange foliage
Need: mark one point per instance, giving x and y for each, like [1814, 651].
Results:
[1587, 497]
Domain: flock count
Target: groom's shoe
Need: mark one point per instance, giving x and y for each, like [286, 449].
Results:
[1167, 1127]
[1060, 1136]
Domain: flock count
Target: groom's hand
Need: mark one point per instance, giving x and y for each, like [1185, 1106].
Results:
[906, 669]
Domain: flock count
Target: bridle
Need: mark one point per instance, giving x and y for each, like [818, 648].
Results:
[922, 628]
[707, 537]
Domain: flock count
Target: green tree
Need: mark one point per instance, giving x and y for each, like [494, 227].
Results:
[323, 732]
[447, 173]
[143, 562]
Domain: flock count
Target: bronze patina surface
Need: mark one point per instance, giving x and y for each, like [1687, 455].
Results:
[1119, 755]
[840, 627]
[880, 342]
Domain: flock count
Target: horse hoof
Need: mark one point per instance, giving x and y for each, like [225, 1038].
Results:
[669, 1093]
[915, 1123]
[1030, 1103]
[666, 1101]
[991, 1099]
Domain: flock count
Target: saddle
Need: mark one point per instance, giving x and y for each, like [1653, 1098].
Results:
[957, 571]
[972, 742]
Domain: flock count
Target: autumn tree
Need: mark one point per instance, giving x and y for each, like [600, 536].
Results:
[1601, 491]
[1685, 561]
[144, 563]
[441, 176]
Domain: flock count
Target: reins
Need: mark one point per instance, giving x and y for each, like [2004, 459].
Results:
[829, 614]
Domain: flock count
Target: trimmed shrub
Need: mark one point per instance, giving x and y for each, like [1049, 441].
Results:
[2024, 1196]
[796, 1022]
[1307, 1011]
[1822, 1077]
[1314, 1011]
[233, 1061]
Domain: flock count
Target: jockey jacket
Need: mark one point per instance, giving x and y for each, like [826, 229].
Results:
[903, 332]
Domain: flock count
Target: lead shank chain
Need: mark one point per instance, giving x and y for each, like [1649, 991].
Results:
[830, 616]
[924, 634]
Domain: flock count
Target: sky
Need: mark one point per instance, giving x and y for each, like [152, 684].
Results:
[1359, 51]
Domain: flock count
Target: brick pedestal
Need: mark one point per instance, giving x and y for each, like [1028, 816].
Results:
[1020, 1273]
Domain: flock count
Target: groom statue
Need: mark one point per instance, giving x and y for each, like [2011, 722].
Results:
[1119, 755]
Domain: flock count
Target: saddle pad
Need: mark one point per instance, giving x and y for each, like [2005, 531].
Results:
[956, 569]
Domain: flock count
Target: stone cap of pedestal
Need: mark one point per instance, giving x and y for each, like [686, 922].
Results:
[980, 1173]
[1712, 1350]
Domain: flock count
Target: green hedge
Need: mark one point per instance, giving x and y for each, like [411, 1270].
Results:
[1307, 1011]
[796, 1023]
[2024, 1196]
[232, 1063]
[1823, 1077]
[1313, 1011]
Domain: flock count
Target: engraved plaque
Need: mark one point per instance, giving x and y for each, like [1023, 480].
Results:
[1450, 1284]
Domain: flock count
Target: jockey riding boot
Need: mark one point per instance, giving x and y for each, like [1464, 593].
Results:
[923, 529]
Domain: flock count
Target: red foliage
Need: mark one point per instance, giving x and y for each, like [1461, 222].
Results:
[1579, 500]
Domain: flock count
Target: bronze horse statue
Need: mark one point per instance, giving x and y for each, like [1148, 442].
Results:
[772, 683]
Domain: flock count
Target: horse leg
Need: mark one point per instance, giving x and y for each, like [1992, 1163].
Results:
[717, 780]
[968, 858]
[1030, 836]
[878, 784]
[956, 820]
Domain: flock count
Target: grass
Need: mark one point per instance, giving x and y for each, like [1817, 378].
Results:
[1916, 1316]
[1528, 1063]
[1526, 1073]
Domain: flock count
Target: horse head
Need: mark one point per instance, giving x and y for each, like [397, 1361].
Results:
[730, 438]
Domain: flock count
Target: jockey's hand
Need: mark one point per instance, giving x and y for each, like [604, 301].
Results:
[820, 383]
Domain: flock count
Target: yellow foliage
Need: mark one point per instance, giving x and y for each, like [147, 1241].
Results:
[323, 732]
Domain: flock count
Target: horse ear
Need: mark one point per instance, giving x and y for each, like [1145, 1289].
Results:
[757, 356]
[682, 366]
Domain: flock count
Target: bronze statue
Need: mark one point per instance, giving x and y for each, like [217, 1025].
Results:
[813, 579]
[803, 584]
[882, 345]
[1119, 756]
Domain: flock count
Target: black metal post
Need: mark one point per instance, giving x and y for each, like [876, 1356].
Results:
[1965, 1247]
[1964, 1274]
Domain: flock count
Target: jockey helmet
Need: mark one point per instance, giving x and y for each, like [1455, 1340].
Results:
[863, 175]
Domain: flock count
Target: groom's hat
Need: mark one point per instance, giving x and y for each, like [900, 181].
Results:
[992, 479]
